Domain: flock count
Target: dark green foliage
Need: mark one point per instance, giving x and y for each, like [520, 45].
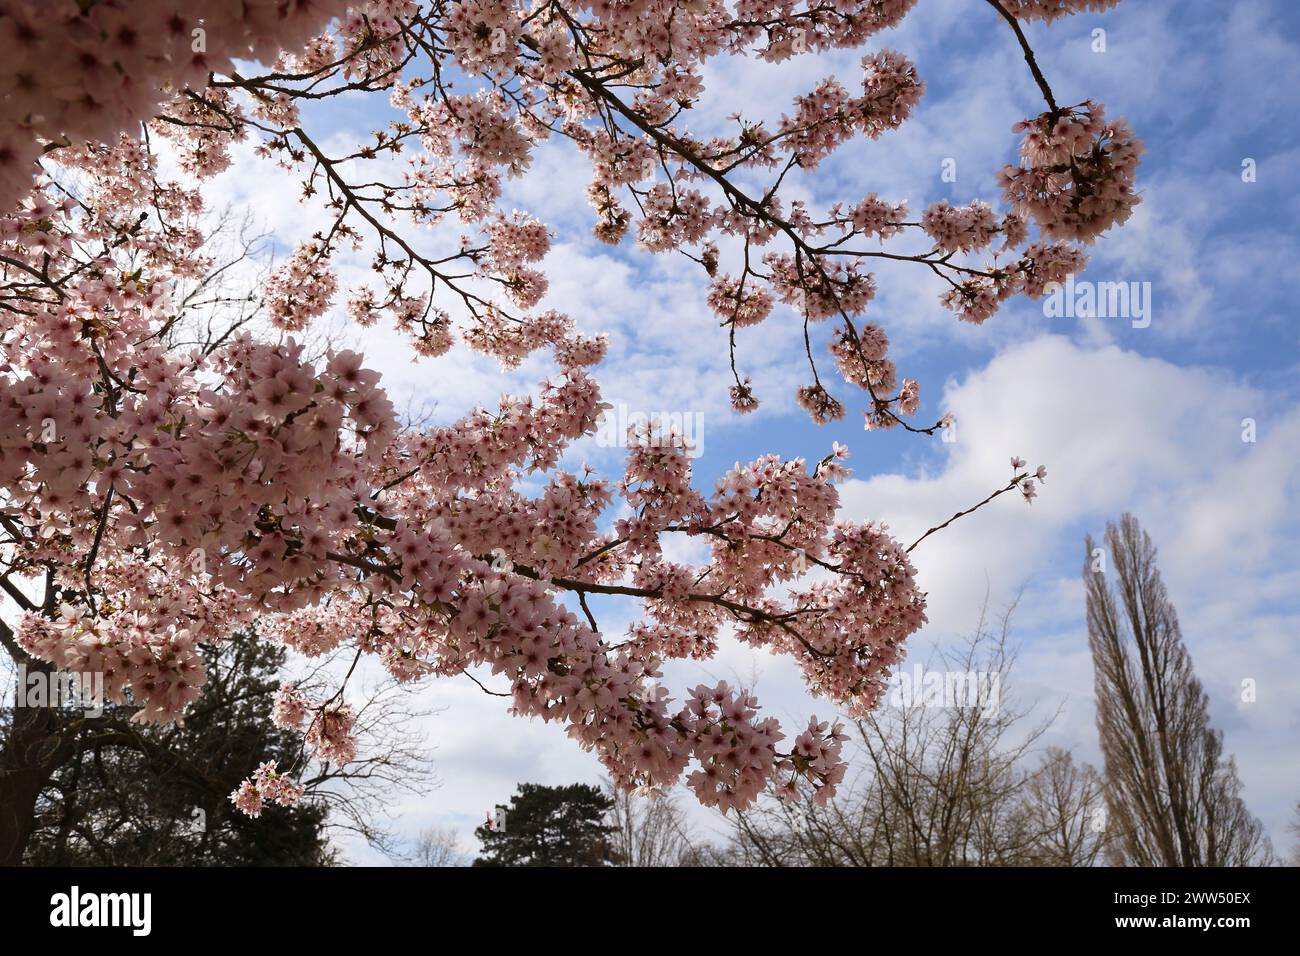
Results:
[551, 826]
[129, 794]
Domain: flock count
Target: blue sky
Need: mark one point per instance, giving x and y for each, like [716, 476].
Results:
[1147, 420]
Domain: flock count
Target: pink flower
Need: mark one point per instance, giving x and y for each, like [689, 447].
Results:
[182, 492]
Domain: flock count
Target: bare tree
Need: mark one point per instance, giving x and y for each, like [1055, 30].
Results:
[650, 830]
[942, 781]
[438, 846]
[1173, 797]
[1066, 811]
[946, 778]
[392, 756]
[1294, 828]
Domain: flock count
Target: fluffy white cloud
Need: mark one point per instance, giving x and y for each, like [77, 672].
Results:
[1121, 432]
[1118, 431]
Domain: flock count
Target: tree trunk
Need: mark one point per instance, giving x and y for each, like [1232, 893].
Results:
[31, 753]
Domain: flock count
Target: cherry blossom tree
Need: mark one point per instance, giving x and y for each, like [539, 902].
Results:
[153, 496]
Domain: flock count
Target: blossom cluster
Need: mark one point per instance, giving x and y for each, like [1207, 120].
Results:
[1049, 10]
[1077, 173]
[266, 784]
[175, 494]
[253, 484]
[74, 71]
[621, 82]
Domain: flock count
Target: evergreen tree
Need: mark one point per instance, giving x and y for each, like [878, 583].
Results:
[551, 826]
[137, 795]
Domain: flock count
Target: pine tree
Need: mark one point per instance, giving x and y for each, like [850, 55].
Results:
[551, 826]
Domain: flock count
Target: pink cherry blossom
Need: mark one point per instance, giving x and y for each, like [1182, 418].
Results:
[169, 495]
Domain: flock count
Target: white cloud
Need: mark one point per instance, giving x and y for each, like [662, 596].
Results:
[1122, 432]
